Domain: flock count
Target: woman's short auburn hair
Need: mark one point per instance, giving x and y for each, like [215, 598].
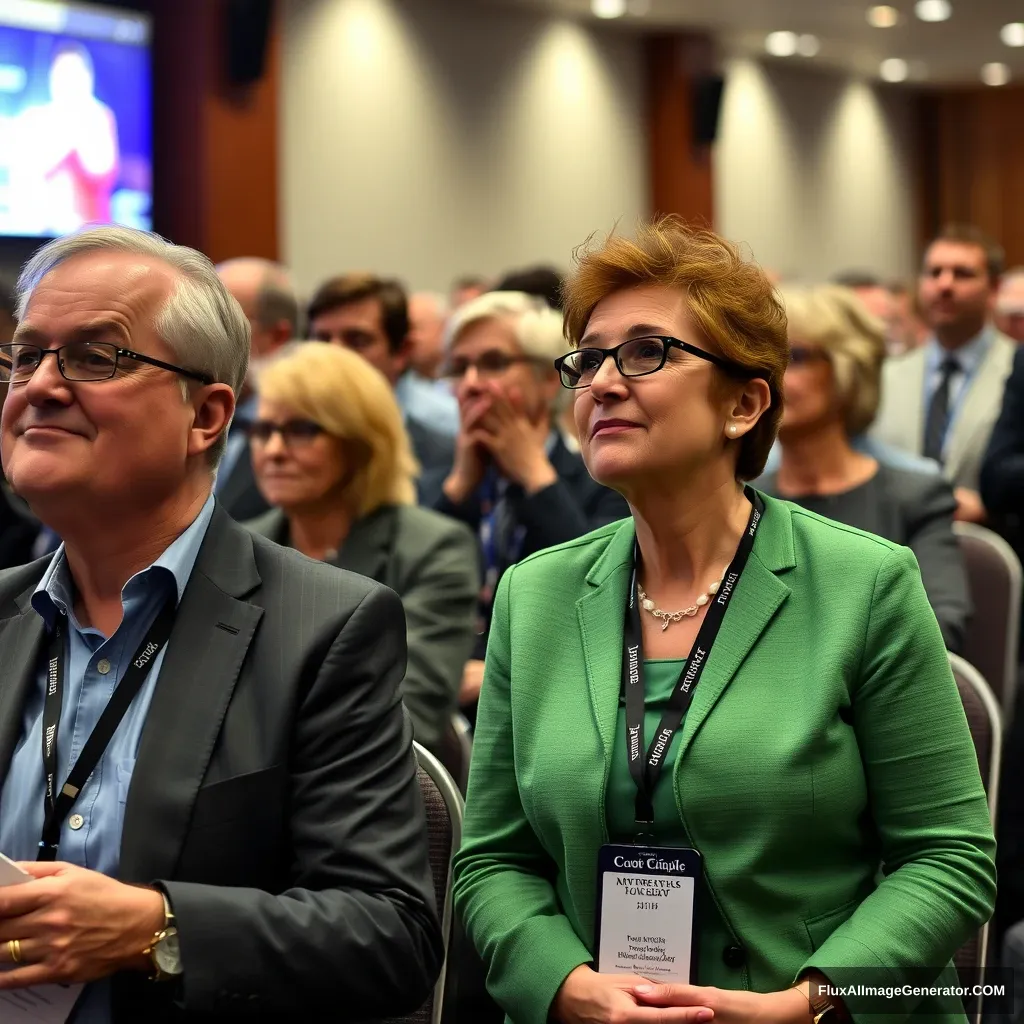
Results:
[353, 402]
[834, 319]
[730, 300]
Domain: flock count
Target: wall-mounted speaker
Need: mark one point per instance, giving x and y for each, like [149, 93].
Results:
[247, 31]
[707, 103]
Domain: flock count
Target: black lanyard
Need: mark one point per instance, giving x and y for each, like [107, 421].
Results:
[647, 770]
[57, 805]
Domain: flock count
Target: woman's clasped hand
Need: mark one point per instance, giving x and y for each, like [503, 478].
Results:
[587, 997]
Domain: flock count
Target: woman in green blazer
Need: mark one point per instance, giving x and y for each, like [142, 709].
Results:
[823, 770]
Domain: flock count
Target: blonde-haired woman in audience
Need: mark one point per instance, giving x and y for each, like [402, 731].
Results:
[331, 455]
[833, 386]
[777, 731]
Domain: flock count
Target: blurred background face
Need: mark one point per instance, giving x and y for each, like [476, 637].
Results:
[670, 423]
[811, 399]
[486, 358]
[244, 282]
[1009, 307]
[955, 289]
[123, 439]
[70, 79]
[426, 334]
[300, 469]
[359, 326]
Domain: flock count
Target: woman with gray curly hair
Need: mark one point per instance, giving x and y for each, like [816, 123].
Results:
[832, 389]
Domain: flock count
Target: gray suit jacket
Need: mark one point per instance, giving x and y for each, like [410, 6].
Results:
[431, 562]
[274, 797]
[902, 412]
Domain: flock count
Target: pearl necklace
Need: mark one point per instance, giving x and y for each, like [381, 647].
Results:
[687, 613]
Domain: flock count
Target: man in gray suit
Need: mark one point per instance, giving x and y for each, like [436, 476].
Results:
[941, 400]
[204, 762]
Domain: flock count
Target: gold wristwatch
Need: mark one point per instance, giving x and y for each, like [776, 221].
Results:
[822, 1006]
[164, 952]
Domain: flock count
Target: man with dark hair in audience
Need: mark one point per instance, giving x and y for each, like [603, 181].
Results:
[265, 292]
[370, 316]
[541, 281]
[942, 400]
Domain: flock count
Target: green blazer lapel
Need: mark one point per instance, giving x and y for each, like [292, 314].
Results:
[758, 596]
[601, 612]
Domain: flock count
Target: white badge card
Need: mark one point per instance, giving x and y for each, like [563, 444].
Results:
[646, 918]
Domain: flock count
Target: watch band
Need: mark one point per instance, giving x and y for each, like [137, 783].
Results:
[822, 1007]
[169, 926]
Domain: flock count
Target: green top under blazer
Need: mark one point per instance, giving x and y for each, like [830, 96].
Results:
[826, 738]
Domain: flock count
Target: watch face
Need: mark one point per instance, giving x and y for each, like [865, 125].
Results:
[167, 953]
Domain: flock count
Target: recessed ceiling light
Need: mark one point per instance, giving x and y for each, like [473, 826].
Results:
[1013, 34]
[995, 74]
[933, 10]
[807, 45]
[894, 70]
[883, 16]
[608, 8]
[781, 44]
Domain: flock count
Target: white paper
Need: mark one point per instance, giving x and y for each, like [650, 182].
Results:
[646, 925]
[44, 1004]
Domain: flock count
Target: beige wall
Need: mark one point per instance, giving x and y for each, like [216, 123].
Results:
[813, 171]
[430, 139]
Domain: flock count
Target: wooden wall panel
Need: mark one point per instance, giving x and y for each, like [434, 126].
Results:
[972, 163]
[680, 172]
[215, 175]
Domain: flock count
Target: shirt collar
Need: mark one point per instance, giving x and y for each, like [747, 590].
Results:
[55, 593]
[969, 356]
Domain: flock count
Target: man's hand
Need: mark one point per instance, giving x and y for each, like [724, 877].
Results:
[517, 445]
[472, 680]
[969, 508]
[75, 925]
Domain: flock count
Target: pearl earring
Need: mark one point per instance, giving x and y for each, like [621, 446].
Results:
[732, 429]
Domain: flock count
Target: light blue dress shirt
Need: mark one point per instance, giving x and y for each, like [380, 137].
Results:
[430, 402]
[91, 837]
[970, 357]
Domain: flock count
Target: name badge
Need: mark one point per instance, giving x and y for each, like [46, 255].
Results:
[646, 912]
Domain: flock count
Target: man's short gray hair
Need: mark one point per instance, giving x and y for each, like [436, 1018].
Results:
[200, 321]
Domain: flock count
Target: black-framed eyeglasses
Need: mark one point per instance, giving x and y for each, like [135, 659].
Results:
[79, 361]
[634, 358]
[293, 432]
[487, 365]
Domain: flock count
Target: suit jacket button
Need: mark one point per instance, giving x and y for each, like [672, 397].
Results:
[734, 956]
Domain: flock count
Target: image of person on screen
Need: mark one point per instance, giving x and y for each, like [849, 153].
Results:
[69, 154]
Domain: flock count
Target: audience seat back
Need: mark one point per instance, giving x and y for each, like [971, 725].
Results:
[444, 806]
[985, 722]
[993, 633]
